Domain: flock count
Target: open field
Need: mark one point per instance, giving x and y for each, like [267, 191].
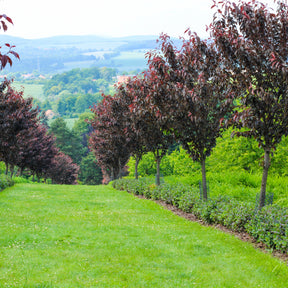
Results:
[70, 122]
[95, 236]
[30, 90]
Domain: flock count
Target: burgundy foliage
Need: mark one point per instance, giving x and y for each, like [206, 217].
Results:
[135, 143]
[16, 117]
[5, 58]
[25, 142]
[253, 41]
[108, 140]
[146, 120]
[63, 170]
[37, 150]
[192, 96]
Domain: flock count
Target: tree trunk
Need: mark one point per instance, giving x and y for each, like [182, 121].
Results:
[136, 168]
[112, 174]
[158, 160]
[7, 168]
[11, 171]
[204, 183]
[120, 169]
[264, 178]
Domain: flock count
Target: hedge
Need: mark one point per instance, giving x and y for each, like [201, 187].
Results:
[269, 225]
[5, 181]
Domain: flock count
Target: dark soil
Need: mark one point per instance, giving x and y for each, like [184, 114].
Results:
[241, 235]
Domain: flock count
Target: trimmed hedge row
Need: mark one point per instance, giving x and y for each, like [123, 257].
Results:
[269, 225]
[5, 181]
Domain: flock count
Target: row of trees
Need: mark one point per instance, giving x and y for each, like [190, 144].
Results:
[72, 104]
[190, 95]
[72, 92]
[88, 80]
[26, 143]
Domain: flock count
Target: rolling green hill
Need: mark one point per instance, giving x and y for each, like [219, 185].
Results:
[61, 53]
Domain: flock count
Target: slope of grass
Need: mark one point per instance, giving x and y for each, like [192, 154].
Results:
[95, 236]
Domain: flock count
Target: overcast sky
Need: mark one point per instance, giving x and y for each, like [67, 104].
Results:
[45, 18]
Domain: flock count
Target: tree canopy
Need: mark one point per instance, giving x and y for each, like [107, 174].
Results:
[253, 41]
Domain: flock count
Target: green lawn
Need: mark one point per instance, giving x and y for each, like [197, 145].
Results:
[95, 236]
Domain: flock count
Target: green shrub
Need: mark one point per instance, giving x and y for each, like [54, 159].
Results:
[5, 182]
[156, 192]
[134, 186]
[2, 167]
[203, 210]
[120, 184]
[21, 180]
[232, 214]
[269, 226]
[188, 200]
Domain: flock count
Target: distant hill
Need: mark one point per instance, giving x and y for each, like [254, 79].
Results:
[60, 53]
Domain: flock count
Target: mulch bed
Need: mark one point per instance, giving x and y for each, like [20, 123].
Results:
[241, 235]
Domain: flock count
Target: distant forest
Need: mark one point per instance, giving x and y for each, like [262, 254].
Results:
[71, 93]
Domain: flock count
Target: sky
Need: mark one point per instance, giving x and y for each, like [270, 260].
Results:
[110, 18]
[117, 18]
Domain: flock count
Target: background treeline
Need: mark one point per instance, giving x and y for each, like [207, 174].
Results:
[71, 93]
[89, 80]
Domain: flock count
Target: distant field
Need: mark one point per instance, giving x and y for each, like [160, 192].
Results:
[99, 54]
[70, 122]
[30, 90]
[126, 61]
[76, 64]
[131, 60]
[60, 236]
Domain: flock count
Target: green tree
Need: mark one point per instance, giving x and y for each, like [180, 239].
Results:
[85, 101]
[46, 105]
[67, 141]
[82, 128]
[90, 172]
[235, 153]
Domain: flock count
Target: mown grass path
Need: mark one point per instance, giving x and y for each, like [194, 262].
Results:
[88, 236]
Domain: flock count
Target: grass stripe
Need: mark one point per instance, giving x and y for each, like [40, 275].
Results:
[95, 236]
